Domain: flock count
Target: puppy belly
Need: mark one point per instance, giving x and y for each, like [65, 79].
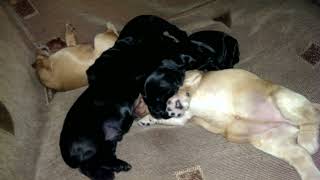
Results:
[254, 114]
[241, 131]
[259, 108]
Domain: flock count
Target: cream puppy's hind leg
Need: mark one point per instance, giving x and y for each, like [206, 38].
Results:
[301, 112]
[281, 143]
[70, 35]
[112, 28]
[149, 120]
[105, 40]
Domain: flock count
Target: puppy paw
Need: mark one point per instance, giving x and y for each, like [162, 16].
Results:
[119, 165]
[146, 121]
[176, 107]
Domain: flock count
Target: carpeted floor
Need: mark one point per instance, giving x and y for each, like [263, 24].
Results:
[279, 40]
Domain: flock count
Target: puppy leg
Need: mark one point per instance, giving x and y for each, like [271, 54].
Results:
[109, 159]
[117, 165]
[147, 120]
[180, 121]
[281, 143]
[301, 112]
[70, 35]
[112, 28]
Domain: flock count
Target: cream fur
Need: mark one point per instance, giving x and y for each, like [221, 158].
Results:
[247, 109]
[66, 69]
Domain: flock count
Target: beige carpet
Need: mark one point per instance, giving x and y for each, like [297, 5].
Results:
[273, 34]
[22, 95]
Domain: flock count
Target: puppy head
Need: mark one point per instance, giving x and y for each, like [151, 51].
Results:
[160, 86]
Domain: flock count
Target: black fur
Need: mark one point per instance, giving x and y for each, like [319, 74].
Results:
[85, 142]
[207, 50]
[103, 113]
[149, 57]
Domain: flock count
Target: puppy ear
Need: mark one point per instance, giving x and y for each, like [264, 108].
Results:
[192, 78]
[232, 52]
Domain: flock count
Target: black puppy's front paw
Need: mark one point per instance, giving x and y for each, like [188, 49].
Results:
[122, 166]
[118, 166]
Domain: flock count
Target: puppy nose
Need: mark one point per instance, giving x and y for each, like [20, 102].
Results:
[179, 105]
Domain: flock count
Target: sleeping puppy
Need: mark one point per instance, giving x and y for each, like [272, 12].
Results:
[66, 69]
[101, 116]
[206, 50]
[247, 109]
[147, 40]
[93, 126]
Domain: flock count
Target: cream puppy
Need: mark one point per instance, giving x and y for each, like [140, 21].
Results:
[66, 69]
[247, 109]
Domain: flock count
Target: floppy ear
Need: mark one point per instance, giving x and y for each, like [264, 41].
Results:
[192, 78]
[232, 52]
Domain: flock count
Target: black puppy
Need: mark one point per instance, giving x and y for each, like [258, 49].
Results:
[103, 113]
[90, 133]
[207, 50]
[147, 40]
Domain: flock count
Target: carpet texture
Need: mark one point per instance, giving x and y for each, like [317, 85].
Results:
[22, 95]
[276, 38]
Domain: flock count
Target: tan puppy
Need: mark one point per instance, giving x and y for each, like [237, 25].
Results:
[245, 108]
[66, 69]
